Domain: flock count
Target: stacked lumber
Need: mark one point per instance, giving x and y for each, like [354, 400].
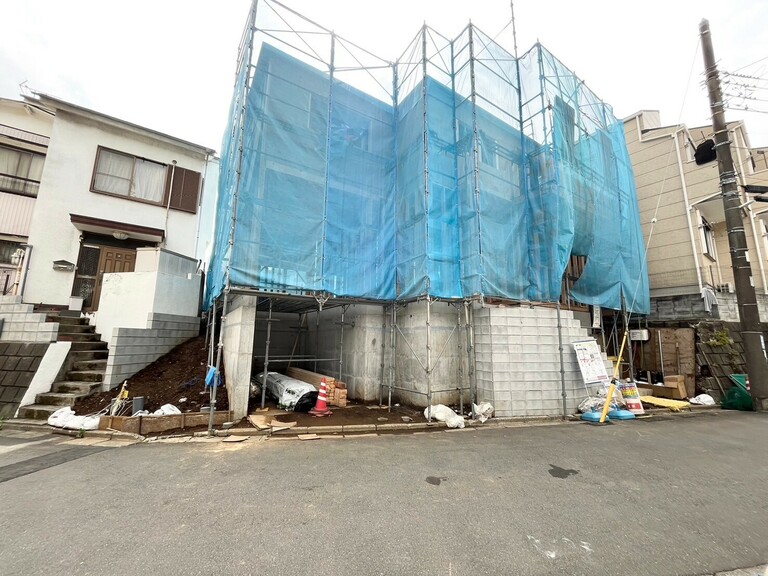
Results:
[337, 393]
[336, 390]
[313, 378]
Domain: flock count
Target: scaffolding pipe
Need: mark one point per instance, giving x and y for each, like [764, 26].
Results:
[266, 356]
[212, 334]
[429, 359]
[562, 362]
[475, 148]
[461, 365]
[212, 401]
[383, 353]
[341, 344]
[393, 360]
[470, 363]
[630, 350]
[425, 368]
[302, 318]
[317, 338]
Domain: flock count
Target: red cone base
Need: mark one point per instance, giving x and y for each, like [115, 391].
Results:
[321, 406]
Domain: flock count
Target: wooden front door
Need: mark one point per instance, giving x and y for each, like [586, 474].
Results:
[112, 260]
[94, 261]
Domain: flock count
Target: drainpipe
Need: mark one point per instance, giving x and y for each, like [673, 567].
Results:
[688, 207]
[25, 259]
[168, 206]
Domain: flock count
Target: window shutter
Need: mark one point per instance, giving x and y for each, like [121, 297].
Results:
[185, 189]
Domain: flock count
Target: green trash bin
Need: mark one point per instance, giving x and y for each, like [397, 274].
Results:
[738, 398]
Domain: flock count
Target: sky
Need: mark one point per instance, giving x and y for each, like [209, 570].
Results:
[169, 64]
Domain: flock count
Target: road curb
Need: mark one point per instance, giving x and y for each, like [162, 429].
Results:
[382, 429]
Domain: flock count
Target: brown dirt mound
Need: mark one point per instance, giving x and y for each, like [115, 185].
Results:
[179, 374]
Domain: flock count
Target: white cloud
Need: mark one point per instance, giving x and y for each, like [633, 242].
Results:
[169, 64]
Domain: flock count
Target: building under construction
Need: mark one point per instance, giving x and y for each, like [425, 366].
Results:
[397, 223]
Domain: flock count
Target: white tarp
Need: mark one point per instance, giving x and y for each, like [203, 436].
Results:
[288, 391]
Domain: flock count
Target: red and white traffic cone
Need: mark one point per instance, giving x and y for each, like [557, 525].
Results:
[321, 407]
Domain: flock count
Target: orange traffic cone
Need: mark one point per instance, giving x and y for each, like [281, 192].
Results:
[321, 407]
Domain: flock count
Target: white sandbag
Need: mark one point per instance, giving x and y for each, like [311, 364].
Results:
[483, 411]
[75, 422]
[166, 410]
[444, 414]
[703, 399]
[60, 417]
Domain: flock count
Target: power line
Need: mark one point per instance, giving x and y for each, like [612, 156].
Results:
[752, 64]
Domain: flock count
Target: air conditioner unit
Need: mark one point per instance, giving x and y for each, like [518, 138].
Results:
[727, 287]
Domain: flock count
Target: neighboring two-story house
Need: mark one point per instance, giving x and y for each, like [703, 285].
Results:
[101, 218]
[25, 130]
[109, 187]
[688, 254]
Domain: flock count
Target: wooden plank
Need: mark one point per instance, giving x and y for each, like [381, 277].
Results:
[309, 377]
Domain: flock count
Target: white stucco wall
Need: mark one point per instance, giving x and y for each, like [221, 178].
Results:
[19, 115]
[65, 189]
[163, 283]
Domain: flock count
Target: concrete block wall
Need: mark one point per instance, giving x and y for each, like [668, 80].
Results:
[728, 309]
[691, 307]
[517, 360]
[131, 349]
[22, 324]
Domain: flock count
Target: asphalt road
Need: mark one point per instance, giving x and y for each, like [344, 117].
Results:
[684, 496]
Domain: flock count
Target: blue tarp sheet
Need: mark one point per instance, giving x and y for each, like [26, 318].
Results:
[481, 177]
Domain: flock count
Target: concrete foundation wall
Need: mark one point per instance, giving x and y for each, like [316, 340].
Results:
[238, 335]
[361, 353]
[131, 349]
[367, 351]
[22, 324]
[516, 357]
[518, 360]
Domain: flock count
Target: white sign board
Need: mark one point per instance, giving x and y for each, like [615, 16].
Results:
[591, 362]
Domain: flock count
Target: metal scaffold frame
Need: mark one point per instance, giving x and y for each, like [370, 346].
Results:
[430, 58]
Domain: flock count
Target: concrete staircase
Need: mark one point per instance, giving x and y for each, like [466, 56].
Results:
[88, 361]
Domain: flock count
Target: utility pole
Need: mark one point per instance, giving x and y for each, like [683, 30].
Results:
[757, 367]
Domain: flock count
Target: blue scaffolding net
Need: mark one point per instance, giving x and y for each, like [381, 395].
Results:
[457, 171]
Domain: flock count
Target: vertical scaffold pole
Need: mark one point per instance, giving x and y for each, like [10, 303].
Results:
[630, 349]
[341, 344]
[429, 358]
[317, 338]
[211, 341]
[383, 354]
[475, 152]
[393, 359]
[331, 69]
[266, 356]
[425, 136]
[562, 361]
[470, 353]
[218, 362]
[245, 74]
[461, 369]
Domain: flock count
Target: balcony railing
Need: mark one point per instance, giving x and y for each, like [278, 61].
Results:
[18, 185]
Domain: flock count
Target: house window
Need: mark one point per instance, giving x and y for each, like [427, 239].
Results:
[7, 249]
[129, 176]
[708, 239]
[20, 171]
[143, 180]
